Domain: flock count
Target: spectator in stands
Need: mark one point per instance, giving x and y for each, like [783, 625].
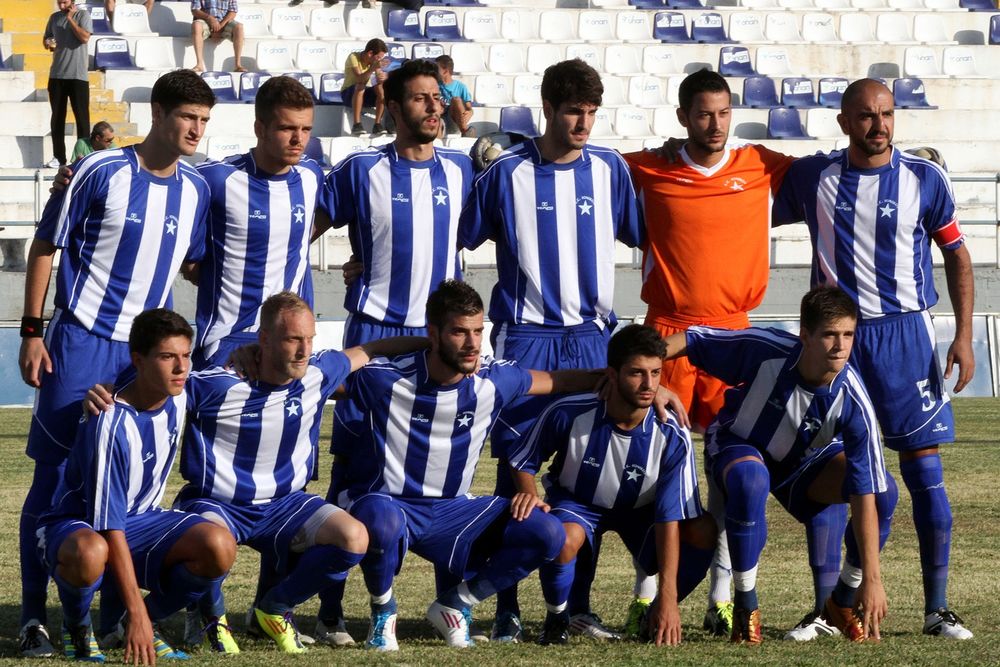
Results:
[66, 35]
[455, 97]
[101, 137]
[109, 6]
[358, 90]
[216, 19]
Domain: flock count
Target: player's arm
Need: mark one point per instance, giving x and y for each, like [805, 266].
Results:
[139, 633]
[72, 18]
[871, 605]
[191, 272]
[321, 223]
[676, 345]
[34, 357]
[565, 382]
[665, 617]
[958, 271]
[386, 347]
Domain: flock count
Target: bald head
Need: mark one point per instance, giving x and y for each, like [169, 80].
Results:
[866, 117]
[861, 91]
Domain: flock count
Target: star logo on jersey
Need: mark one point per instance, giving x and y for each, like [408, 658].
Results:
[299, 214]
[811, 424]
[736, 184]
[585, 204]
[257, 214]
[171, 225]
[633, 472]
[440, 196]
[465, 419]
[133, 217]
[400, 198]
[887, 209]
[293, 407]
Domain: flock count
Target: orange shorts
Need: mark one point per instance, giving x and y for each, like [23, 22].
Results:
[701, 393]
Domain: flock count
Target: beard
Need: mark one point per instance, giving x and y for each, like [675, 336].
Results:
[419, 132]
[453, 360]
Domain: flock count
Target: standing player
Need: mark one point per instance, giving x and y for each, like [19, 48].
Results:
[797, 422]
[555, 206]
[617, 467]
[401, 203]
[872, 212]
[127, 223]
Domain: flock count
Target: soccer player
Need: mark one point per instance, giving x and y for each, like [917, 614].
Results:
[872, 213]
[797, 422]
[401, 203]
[618, 467]
[555, 206]
[107, 517]
[126, 224]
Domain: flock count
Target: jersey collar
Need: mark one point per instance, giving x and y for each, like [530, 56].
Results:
[706, 171]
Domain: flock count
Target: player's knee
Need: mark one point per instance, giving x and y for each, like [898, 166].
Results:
[700, 532]
[545, 533]
[746, 482]
[216, 550]
[354, 536]
[84, 555]
[383, 520]
[575, 537]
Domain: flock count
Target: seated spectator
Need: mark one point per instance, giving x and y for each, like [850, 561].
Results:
[358, 90]
[455, 97]
[109, 6]
[215, 19]
[101, 137]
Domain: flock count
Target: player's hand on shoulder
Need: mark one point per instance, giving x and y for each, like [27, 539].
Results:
[245, 361]
[34, 360]
[671, 149]
[352, 270]
[61, 180]
[99, 399]
[522, 504]
[666, 399]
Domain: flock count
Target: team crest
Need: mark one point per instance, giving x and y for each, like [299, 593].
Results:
[464, 419]
[811, 425]
[886, 207]
[170, 222]
[585, 204]
[736, 184]
[293, 406]
[299, 214]
[440, 196]
[634, 472]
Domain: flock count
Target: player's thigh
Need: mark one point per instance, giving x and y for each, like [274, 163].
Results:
[151, 536]
[827, 486]
[207, 544]
[340, 529]
[721, 460]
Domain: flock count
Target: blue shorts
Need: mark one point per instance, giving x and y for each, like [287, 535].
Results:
[79, 361]
[268, 528]
[368, 100]
[150, 537]
[221, 350]
[444, 530]
[636, 527]
[793, 492]
[897, 360]
[547, 349]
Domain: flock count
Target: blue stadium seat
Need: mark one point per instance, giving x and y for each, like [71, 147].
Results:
[396, 55]
[910, 94]
[735, 61]
[221, 84]
[314, 150]
[686, 4]
[330, 85]
[306, 79]
[670, 27]
[99, 19]
[785, 123]
[995, 29]
[648, 4]
[249, 83]
[708, 28]
[519, 120]
[831, 89]
[441, 25]
[759, 93]
[797, 92]
[978, 5]
[112, 53]
[404, 24]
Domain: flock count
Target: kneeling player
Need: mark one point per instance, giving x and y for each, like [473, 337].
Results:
[107, 513]
[798, 423]
[617, 467]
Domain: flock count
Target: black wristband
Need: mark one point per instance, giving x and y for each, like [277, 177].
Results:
[32, 327]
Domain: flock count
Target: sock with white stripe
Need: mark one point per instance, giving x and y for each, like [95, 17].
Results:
[384, 602]
[747, 486]
[745, 584]
[556, 579]
[720, 575]
[645, 585]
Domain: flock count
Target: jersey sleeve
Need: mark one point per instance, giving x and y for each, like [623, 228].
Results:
[66, 210]
[789, 201]
[339, 194]
[542, 440]
[940, 217]
[107, 480]
[776, 165]
[862, 446]
[199, 231]
[335, 366]
[478, 222]
[734, 356]
[677, 493]
[628, 213]
[84, 20]
[511, 380]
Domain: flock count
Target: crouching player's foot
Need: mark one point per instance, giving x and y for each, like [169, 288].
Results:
[34, 642]
[507, 628]
[212, 633]
[590, 625]
[719, 619]
[812, 626]
[555, 630]
[79, 644]
[637, 610]
[382, 630]
[845, 620]
[451, 623]
[281, 628]
[333, 632]
[945, 623]
[746, 627]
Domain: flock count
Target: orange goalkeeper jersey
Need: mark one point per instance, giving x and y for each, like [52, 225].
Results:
[706, 253]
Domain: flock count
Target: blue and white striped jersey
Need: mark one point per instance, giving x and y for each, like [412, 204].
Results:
[119, 464]
[555, 227]
[871, 228]
[402, 217]
[425, 439]
[789, 423]
[258, 242]
[603, 465]
[125, 234]
[249, 443]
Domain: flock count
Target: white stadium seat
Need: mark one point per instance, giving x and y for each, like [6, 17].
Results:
[673, 90]
[220, 147]
[928, 28]
[254, 21]
[328, 23]
[275, 56]
[857, 28]
[646, 91]
[921, 62]
[553, 26]
[482, 25]
[507, 59]
[315, 56]
[782, 28]
[622, 59]
[154, 53]
[746, 28]
[288, 23]
[894, 28]
[592, 54]
[527, 90]
[959, 61]
[345, 49]
[773, 61]
[634, 27]
[341, 147]
[614, 92]
[632, 123]
[541, 56]
[596, 26]
[469, 58]
[869, 5]
[661, 60]
[131, 20]
[602, 128]
[822, 123]
[665, 123]
[519, 25]
[820, 28]
[365, 24]
[493, 90]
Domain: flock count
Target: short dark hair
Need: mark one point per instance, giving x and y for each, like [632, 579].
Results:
[452, 297]
[376, 45]
[280, 92]
[702, 81]
[152, 326]
[572, 81]
[824, 304]
[395, 83]
[445, 61]
[182, 86]
[276, 304]
[100, 127]
[635, 340]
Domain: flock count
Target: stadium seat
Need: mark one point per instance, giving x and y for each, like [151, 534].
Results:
[469, 58]
[328, 23]
[632, 123]
[330, 85]
[507, 59]
[759, 4]
[519, 120]
[820, 28]
[869, 5]
[288, 23]
[686, 4]
[894, 28]
[670, 27]
[275, 56]
[661, 60]
[254, 22]
[822, 123]
[249, 83]
[614, 91]
[221, 84]
[796, 4]
[528, 90]
[830, 90]
[773, 61]
[909, 94]
[978, 5]
[112, 53]
[602, 128]
[441, 25]
[221, 147]
[707, 28]
[759, 93]
[314, 151]
[307, 80]
[797, 92]
[648, 4]
[610, 4]
[153, 53]
[928, 28]
[833, 5]
[857, 28]
[553, 26]
[519, 25]
[622, 59]
[943, 5]
[341, 147]
[995, 29]
[592, 54]
[396, 55]
[735, 61]
[493, 91]
[99, 20]
[959, 61]
[665, 123]
[131, 19]
[673, 90]
[784, 123]
[344, 50]
[427, 50]
[746, 28]
[405, 24]
[782, 28]
[920, 61]
[3, 61]
[633, 27]
[646, 91]
[315, 56]
[482, 25]
[595, 26]
[540, 56]
[907, 5]
[364, 24]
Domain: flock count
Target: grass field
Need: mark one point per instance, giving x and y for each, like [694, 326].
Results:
[972, 469]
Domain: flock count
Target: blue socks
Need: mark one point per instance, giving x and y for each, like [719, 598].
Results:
[747, 484]
[183, 588]
[76, 601]
[824, 538]
[315, 570]
[331, 601]
[386, 525]
[34, 577]
[924, 478]
[556, 579]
